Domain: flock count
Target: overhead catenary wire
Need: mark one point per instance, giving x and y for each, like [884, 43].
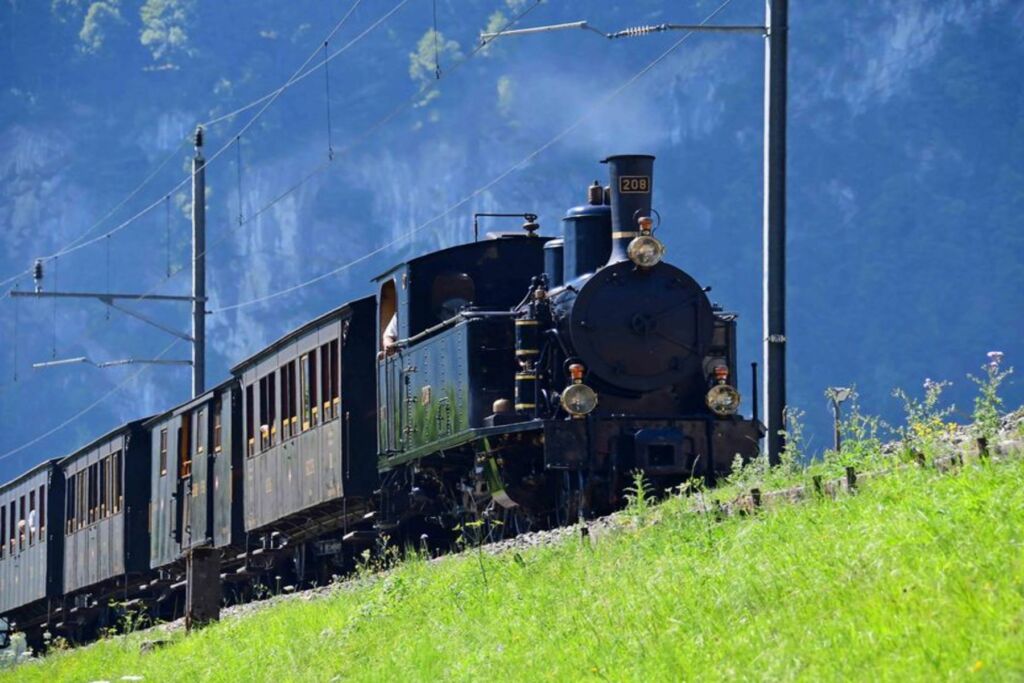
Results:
[321, 167]
[268, 100]
[118, 387]
[601, 102]
[88, 231]
[167, 196]
[222, 149]
[306, 74]
[417, 96]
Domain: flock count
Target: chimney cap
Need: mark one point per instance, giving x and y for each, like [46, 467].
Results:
[614, 157]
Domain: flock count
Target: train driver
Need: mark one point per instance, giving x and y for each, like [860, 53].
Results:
[390, 337]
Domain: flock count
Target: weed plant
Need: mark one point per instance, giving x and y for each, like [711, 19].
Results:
[988, 405]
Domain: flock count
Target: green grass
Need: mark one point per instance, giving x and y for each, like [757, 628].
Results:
[918, 577]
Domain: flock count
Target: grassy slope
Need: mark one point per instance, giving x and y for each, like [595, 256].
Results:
[919, 577]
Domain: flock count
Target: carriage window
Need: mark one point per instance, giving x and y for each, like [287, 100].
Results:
[312, 387]
[201, 431]
[21, 524]
[217, 436]
[335, 376]
[293, 401]
[264, 427]
[163, 451]
[267, 411]
[83, 499]
[289, 411]
[250, 421]
[450, 293]
[42, 512]
[69, 507]
[328, 367]
[93, 491]
[109, 487]
[14, 525]
[103, 475]
[117, 476]
[329, 379]
[31, 517]
[286, 425]
[272, 408]
[307, 379]
[184, 446]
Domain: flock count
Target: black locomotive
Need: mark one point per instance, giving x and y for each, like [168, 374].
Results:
[517, 378]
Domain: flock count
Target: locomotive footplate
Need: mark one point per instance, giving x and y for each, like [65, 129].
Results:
[657, 446]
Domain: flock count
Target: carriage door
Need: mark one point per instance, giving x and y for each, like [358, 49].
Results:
[183, 492]
[198, 490]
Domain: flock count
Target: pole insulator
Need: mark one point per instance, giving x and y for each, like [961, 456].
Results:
[37, 274]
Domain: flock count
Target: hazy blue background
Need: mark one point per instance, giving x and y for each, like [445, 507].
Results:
[906, 186]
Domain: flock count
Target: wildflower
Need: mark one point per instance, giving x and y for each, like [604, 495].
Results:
[977, 666]
[995, 357]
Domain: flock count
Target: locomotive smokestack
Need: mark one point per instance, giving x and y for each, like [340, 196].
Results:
[632, 178]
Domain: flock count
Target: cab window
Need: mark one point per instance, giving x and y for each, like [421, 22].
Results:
[450, 293]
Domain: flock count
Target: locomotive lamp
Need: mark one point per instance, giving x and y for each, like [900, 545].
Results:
[723, 400]
[578, 399]
[645, 250]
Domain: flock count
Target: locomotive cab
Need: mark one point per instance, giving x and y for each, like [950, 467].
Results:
[444, 363]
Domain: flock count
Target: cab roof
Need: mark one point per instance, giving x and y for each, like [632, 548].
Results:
[467, 247]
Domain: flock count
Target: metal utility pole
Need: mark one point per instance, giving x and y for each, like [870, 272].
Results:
[198, 267]
[202, 565]
[774, 290]
[774, 216]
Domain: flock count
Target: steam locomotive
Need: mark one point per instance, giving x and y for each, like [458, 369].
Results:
[516, 380]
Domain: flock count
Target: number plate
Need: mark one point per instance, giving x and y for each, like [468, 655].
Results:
[634, 184]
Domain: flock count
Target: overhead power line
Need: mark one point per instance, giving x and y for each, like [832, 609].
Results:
[170, 276]
[90, 407]
[298, 75]
[601, 102]
[103, 219]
